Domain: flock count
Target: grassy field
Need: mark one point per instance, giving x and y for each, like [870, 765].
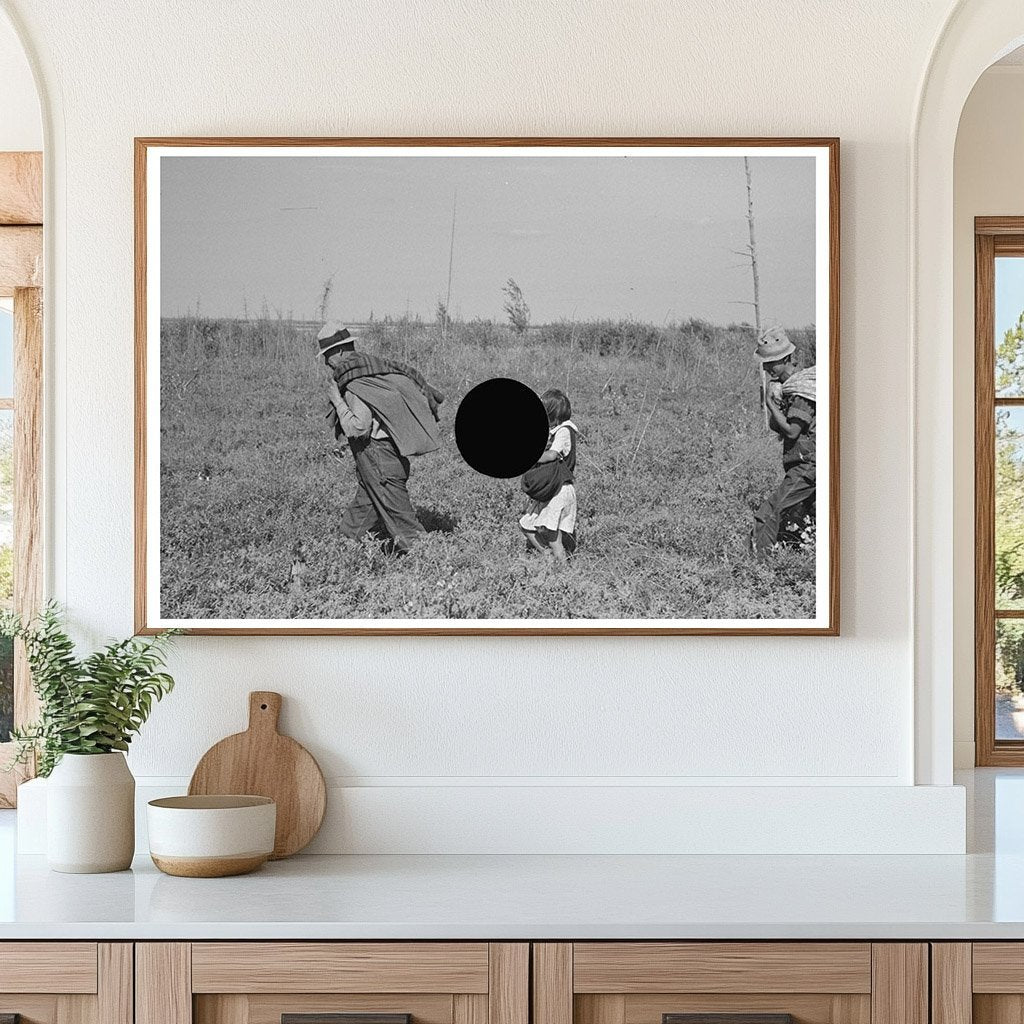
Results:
[673, 457]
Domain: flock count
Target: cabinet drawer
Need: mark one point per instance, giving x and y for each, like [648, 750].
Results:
[332, 983]
[58, 967]
[730, 983]
[998, 967]
[340, 967]
[634, 967]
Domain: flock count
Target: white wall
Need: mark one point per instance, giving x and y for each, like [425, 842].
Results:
[20, 124]
[987, 181]
[449, 713]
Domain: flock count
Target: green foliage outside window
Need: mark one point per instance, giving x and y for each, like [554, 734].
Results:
[6, 571]
[1009, 509]
[6, 688]
[1010, 361]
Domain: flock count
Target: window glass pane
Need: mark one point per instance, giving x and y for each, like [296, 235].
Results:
[6, 353]
[1009, 679]
[1009, 539]
[6, 567]
[1009, 322]
[6, 689]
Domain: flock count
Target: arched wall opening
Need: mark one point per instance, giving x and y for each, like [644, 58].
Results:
[989, 150]
[976, 35]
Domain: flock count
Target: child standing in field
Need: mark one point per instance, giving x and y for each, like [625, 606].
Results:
[792, 414]
[549, 524]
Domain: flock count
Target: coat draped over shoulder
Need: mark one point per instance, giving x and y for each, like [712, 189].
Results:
[402, 410]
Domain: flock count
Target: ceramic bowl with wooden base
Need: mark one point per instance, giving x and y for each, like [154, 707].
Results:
[211, 836]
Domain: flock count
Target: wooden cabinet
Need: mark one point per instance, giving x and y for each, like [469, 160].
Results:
[66, 982]
[755, 982]
[979, 982]
[494, 983]
[264, 982]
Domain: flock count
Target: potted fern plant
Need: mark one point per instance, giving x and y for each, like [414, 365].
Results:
[90, 708]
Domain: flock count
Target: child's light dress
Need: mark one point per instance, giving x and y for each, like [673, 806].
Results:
[560, 512]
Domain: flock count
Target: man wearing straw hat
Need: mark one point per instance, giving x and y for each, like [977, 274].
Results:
[791, 407]
[388, 413]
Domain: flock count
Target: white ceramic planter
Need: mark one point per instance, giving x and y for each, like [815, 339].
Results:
[90, 814]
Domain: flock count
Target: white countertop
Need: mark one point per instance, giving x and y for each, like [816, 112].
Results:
[978, 896]
[517, 897]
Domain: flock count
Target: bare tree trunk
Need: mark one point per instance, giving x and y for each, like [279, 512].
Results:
[753, 247]
[451, 258]
[757, 283]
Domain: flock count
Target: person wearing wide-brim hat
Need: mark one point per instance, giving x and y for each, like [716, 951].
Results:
[387, 412]
[792, 414]
[774, 345]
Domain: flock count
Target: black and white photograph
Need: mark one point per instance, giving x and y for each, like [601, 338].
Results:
[451, 386]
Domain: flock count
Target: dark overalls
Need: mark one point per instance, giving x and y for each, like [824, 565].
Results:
[381, 499]
[798, 482]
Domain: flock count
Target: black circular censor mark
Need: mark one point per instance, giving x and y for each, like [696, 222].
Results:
[501, 428]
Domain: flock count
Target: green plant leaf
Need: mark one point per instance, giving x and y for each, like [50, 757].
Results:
[90, 705]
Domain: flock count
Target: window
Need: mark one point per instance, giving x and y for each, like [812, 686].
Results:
[20, 502]
[6, 514]
[999, 490]
[21, 366]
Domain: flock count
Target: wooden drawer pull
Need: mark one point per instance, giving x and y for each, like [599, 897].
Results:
[339, 1018]
[727, 1018]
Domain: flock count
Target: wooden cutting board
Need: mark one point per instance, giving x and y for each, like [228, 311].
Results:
[262, 762]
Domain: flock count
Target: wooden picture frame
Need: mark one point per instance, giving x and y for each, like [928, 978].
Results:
[151, 154]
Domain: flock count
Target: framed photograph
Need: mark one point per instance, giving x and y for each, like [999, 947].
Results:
[497, 386]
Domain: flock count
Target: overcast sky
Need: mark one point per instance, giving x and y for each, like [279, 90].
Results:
[1009, 294]
[584, 236]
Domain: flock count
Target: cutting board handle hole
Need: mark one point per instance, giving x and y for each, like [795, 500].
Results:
[263, 707]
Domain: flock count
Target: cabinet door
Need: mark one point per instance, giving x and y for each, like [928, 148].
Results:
[332, 983]
[66, 983]
[980, 982]
[730, 983]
